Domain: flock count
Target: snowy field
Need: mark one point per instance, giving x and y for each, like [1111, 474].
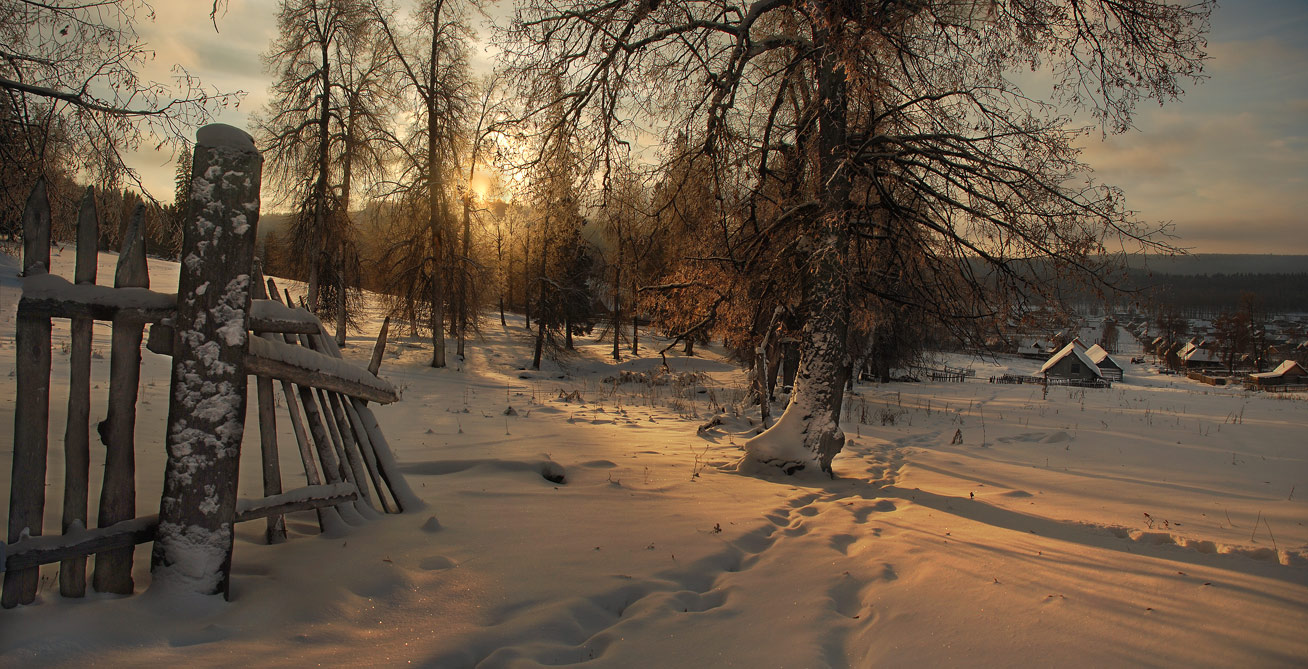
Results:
[1085, 528]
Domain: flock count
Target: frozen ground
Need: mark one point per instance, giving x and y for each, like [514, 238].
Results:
[1085, 528]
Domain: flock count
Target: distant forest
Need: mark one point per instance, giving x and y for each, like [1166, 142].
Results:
[1211, 294]
[1220, 263]
[1209, 284]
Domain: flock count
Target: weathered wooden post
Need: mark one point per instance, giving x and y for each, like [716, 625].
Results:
[272, 469]
[113, 568]
[77, 434]
[32, 410]
[206, 410]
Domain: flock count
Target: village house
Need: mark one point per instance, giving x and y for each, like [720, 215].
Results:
[1199, 354]
[1072, 363]
[1288, 373]
[1032, 348]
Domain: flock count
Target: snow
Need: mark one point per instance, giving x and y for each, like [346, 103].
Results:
[56, 288]
[314, 361]
[781, 447]
[191, 556]
[1097, 355]
[270, 310]
[1027, 543]
[298, 495]
[221, 134]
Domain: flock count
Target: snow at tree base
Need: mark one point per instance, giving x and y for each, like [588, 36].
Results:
[1159, 522]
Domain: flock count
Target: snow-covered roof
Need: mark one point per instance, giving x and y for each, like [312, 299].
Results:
[1287, 368]
[1196, 354]
[1031, 347]
[1098, 355]
[1191, 348]
[1076, 349]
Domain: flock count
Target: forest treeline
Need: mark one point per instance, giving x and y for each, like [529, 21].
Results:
[1206, 295]
[1195, 293]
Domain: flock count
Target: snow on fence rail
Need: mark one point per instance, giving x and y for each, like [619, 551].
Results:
[206, 328]
[1078, 383]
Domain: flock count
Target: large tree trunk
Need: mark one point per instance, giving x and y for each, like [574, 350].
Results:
[463, 274]
[540, 305]
[347, 177]
[764, 374]
[434, 197]
[192, 553]
[526, 282]
[808, 434]
[617, 307]
[774, 366]
[320, 185]
[635, 321]
[508, 285]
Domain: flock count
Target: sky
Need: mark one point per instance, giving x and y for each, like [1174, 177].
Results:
[1227, 165]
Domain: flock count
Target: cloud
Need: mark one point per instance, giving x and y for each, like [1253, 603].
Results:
[1232, 154]
[1233, 172]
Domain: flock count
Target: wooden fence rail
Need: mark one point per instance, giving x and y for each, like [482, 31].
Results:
[220, 329]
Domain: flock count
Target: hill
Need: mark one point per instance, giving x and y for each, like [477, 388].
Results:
[1221, 263]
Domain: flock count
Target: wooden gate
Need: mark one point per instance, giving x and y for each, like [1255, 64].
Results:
[220, 328]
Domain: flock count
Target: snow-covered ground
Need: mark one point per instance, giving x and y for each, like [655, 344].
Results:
[1082, 528]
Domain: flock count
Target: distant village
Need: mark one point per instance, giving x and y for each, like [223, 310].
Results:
[1226, 351]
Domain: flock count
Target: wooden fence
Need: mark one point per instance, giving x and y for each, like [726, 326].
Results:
[1210, 380]
[1053, 381]
[957, 375]
[220, 328]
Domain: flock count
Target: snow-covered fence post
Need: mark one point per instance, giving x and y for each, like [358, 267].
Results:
[32, 410]
[206, 410]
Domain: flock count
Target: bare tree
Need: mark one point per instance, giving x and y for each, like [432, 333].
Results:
[365, 102]
[557, 205]
[72, 99]
[431, 65]
[626, 222]
[905, 108]
[298, 129]
[489, 114]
